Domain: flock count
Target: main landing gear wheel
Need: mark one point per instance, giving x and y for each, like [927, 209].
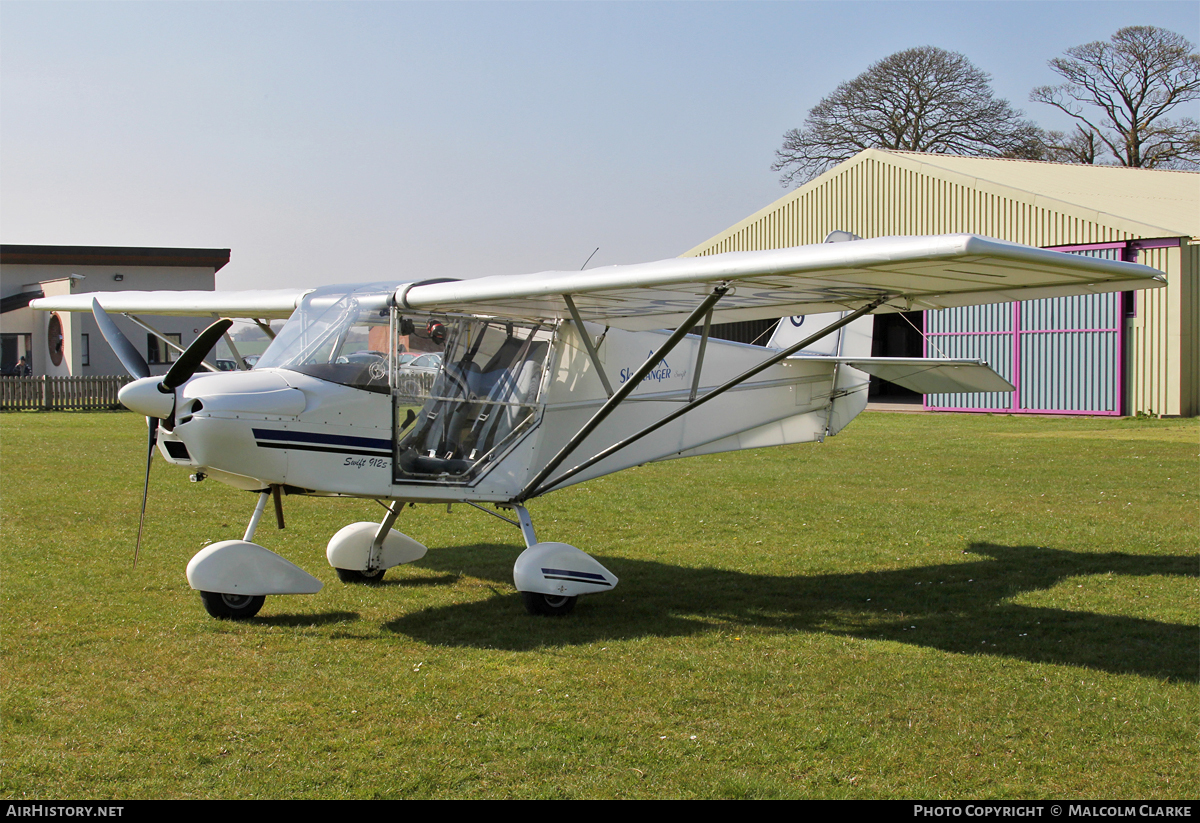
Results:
[353, 576]
[548, 605]
[232, 606]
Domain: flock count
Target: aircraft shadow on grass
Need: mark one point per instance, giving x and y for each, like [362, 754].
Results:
[962, 608]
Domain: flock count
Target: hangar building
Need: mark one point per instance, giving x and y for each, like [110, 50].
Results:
[1102, 354]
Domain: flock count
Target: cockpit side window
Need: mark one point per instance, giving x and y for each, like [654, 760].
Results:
[456, 418]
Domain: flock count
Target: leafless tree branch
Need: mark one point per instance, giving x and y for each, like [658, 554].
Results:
[1121, 92]
[923, 99]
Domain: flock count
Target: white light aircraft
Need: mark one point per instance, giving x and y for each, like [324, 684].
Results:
[540, 381]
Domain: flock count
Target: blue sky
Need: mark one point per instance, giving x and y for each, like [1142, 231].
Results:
[343, 141]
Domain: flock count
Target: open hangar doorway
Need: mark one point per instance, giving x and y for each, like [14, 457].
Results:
[896, 335]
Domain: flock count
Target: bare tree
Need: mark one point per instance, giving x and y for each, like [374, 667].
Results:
[1077, 147]
[1122, 91]
[923, 99]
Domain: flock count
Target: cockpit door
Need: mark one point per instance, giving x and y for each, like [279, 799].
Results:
[459, 409]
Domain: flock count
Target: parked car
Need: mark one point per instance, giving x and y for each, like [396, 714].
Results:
[363, 357]
[229, 364]
[416, 376]
[431, 362]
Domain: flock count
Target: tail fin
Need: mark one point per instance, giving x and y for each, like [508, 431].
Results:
[853, 340]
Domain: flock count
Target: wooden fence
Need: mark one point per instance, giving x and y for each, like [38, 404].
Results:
[61, 393]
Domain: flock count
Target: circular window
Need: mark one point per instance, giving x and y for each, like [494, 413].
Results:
[54, 339]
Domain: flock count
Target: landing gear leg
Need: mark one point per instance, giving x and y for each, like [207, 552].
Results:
[252, 526]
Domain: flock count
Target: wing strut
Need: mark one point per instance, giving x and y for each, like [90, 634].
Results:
[237, 356]
[587, 342]
[167, 342]
[623, 392]
[534, 489]
[700, 355]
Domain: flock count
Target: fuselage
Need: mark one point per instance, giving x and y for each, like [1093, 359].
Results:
[335, 408]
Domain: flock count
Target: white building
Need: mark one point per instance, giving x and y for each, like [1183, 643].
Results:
[65, 343]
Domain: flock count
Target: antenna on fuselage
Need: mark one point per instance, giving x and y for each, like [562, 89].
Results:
[590, 256]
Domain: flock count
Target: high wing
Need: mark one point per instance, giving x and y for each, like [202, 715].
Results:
[260, 303]
[930, 272]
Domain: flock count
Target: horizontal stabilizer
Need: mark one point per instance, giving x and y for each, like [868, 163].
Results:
[927, 375]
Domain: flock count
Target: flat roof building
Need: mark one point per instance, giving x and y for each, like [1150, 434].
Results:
[62, 343]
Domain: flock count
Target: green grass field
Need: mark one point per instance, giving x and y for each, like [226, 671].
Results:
[927, 606]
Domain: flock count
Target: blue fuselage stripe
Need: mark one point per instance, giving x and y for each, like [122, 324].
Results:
[322, 439]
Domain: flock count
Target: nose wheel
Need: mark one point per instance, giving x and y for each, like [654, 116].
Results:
[232, 606]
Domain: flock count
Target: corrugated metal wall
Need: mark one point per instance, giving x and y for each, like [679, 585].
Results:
[1163, 352]
[872, 198]
[1062, 354]
[1070, 355]
[875, 197]
[984, 332]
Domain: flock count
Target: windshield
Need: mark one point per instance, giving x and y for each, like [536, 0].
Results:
[338, 334]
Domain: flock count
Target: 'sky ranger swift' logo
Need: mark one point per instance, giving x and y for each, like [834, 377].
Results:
[659, 373]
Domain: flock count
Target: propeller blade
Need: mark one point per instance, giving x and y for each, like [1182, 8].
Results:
[153, 425]
[190, 360]
[129, 356]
